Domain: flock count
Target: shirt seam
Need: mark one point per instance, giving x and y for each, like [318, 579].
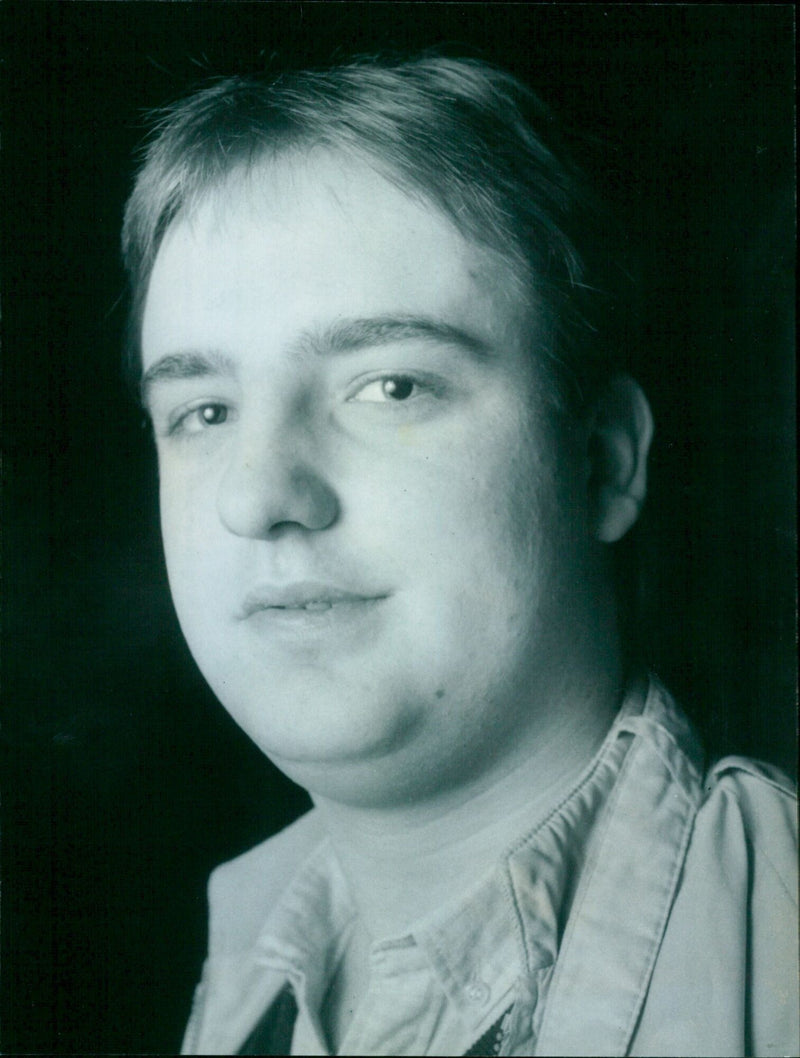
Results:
[527, 840]
[587, 874]
[687, 827]
[724, 765]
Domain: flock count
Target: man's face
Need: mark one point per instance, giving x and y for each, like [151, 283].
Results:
[374, 531]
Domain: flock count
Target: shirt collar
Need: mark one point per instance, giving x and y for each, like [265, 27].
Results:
[307, 927]
[509, 925]
[506, 927]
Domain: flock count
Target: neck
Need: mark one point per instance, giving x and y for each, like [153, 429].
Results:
[404, 862]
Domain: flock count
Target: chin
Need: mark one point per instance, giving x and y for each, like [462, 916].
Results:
[305, 728]
[379, 782]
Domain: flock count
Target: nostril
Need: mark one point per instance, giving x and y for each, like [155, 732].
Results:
[280, 529]
[267, 502]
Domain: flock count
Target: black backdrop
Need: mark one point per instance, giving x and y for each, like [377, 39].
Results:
[124, 781]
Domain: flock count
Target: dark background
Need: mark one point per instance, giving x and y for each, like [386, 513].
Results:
[124, 781]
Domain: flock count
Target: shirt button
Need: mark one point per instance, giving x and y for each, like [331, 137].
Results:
[477, 991]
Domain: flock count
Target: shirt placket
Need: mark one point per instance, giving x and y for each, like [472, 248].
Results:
[401, 1008]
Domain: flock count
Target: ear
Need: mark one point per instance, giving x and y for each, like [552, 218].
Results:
[618, 447]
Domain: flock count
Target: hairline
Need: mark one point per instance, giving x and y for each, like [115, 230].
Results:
[508, 278]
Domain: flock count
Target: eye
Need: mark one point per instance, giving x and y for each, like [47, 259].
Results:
[390, 389]
[212, 414]
[200, 417]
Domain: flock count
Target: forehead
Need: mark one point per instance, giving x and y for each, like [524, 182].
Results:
[299, 241]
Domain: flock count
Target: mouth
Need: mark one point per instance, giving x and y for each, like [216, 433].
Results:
[306, 598]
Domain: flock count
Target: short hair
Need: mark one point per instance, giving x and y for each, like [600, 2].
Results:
[466, 135]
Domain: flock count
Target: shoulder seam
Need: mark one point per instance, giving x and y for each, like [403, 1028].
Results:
[792, 897]
[754, 769]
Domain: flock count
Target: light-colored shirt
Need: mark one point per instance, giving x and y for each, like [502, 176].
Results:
[643, 911]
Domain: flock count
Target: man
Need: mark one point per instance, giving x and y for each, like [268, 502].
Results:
[393, 457]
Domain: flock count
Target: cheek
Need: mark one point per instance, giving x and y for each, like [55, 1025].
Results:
[507, 497]
[188, 491]
[189, 530]
[180, 525]
[473, 515]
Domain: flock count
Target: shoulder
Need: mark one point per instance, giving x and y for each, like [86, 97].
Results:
[741, 847]
[242, 891]
[750, 778]
[746, 811]
[725, 976]
[749, 813]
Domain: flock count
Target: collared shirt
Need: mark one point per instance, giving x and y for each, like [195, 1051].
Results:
[643, 912]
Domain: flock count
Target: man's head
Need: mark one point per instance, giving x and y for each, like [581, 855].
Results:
[359, 304]
[468, 138]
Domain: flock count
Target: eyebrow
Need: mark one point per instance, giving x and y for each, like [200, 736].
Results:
[176, 366]
[335, 339]
[346, 336]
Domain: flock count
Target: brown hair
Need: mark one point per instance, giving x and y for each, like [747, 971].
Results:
[468, 137]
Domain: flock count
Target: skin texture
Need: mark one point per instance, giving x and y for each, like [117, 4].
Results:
[417, 468]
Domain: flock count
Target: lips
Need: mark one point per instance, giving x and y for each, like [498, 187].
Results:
[303, 597]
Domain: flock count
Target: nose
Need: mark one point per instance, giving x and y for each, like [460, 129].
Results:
[271, 485]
